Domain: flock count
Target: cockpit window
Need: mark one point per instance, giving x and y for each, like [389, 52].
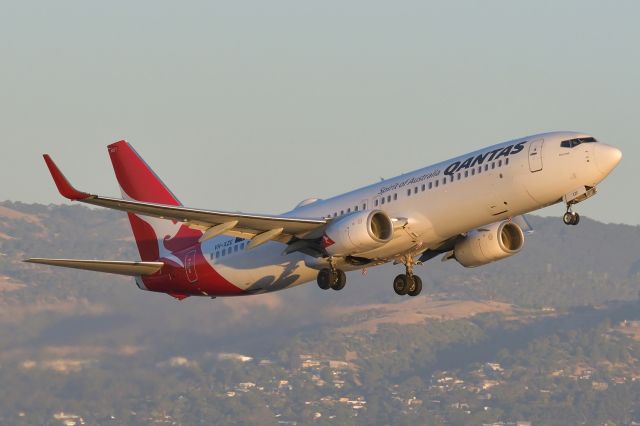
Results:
[571, 143]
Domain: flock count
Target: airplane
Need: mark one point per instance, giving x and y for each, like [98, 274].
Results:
[469, 209]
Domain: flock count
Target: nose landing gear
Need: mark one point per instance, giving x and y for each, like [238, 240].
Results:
[407, 284]
[570, 217]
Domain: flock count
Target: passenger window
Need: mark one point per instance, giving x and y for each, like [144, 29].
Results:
[382, 200]
[355, 209]
[349, 210]
[409, 192]
[486, 167]
[364, 206]
[217, 254]
[466, 173]
[415, 190]
[375, 203]
[430, 185]
[224, 252]
[459, 176]
[437, 182]
[500, 163]
[473, 172]
[506, 161]
[395, 196]
[388, 198]
[444, 181]
[423, 187]
[341, 212]
[335, 214]
[493, 166]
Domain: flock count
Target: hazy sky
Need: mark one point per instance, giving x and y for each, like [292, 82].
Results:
[256, 105]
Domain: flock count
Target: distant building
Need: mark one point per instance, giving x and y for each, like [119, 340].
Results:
[338, 364]
[246, 386]
[234, 357]
[488, 384]
[68, 419]
[310, 363]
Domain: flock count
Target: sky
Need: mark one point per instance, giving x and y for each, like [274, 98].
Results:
[253, 106]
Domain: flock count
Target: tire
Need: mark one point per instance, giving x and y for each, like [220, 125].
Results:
[576, 219]
[324, 278]
[340, 281]
[568, 218]
[417, 288]
[401, 285]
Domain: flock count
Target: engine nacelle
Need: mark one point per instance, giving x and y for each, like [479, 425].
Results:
[357, 233]
[486, 245]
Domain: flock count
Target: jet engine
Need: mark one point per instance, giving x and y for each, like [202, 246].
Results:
[357, 233]
[495, 242]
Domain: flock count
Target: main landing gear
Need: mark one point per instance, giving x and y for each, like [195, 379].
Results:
[570, 217]
[407, 284]
[332, 277]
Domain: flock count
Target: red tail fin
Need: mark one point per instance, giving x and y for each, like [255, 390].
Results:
[137, 180]
[156, 238]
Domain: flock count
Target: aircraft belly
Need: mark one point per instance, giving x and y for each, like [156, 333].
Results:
[265, 269]
[402, 242]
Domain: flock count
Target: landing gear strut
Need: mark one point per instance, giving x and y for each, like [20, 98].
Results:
[570, 217]
[332, 277]
[408, 283]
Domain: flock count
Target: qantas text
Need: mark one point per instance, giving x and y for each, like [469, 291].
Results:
[481, 158]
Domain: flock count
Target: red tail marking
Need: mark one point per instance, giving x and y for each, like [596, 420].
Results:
[136, 178]
[64, 187]
[140, 183]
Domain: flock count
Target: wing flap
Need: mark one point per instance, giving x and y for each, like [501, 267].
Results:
[108, 266]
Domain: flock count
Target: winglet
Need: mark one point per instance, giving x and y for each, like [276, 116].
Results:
[64, 187]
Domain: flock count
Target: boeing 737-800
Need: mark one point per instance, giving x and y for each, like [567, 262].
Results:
[468, 208]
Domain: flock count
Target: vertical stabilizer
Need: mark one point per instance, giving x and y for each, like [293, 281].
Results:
[155, 238]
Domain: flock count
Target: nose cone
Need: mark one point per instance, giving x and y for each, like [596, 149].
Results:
[607, 157]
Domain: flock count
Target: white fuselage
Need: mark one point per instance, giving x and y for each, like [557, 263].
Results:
[431, 205]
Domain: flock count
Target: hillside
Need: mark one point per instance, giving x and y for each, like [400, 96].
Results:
[90, 335]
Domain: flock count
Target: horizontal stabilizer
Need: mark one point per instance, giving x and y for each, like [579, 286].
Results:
[108, 266]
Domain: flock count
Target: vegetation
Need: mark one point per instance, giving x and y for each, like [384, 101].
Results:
[94, 346]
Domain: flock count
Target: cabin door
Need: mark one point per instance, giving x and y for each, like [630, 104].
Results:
[535, 155]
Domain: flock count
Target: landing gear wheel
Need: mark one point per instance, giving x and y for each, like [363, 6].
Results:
[401, 285]
[417, 286]
[576, 219]
[571, 218]
[340, 280]
[324, 278]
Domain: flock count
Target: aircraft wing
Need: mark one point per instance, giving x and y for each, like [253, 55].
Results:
[260, 228]
[109, 266]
